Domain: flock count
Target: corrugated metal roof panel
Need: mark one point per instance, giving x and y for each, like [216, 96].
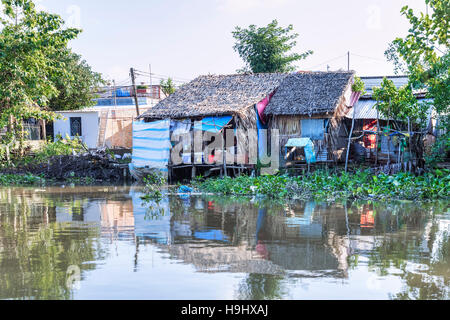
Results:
[366, 109]
[370, 82]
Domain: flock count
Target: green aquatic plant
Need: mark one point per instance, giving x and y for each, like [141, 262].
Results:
[20, 180]
[323, 185]
[153, 187]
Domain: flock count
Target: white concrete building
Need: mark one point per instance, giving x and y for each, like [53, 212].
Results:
[84, 124]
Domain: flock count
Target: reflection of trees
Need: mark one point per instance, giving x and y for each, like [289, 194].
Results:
[419, 252]
[35, 252]
[432, 283]
[262, 287]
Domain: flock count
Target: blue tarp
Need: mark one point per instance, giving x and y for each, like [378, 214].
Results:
[213, 124]
[102, 102]
[313, 128]
[211, 235]
[151, 144]
[308, 146]
[262, 136]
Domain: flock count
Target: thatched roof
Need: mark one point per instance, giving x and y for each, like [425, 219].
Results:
[310, 93]
[216, 95]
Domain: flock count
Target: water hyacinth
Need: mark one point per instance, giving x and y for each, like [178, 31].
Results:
[323, 185]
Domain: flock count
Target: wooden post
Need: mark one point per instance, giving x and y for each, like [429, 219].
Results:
[410, 144]
[378, 135]
[389, 136]
[44, 131]
[115, 93]
[151, 86]
[224, 155]
[348, 60]
[350, 138]
[8, 156]
[133, 80]
[194, 171]
[11, 131]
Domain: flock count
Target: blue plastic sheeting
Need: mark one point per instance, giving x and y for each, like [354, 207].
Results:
[180, 127]
[308, 146]
[151, 144]
[213, 124]
[262, 137]
[313, 129]
[185, 189]
[123, 93]
[102, 102]
[212, 235]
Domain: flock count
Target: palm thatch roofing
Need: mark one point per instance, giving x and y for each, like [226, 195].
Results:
[310, 93]
[213, 95]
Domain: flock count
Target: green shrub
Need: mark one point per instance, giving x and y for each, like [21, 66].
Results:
[61, 147]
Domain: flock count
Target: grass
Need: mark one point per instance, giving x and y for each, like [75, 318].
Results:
[325, 186]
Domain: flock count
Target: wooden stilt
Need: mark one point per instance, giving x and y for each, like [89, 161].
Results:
[410, 143]
[194, 171]
[349, 139]
[378, 135]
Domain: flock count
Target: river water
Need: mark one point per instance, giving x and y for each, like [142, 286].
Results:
[106, 243]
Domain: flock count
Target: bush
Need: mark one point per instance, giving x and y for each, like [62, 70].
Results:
[61, 147]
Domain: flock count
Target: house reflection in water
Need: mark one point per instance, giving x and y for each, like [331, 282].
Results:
[216, 235]
[113, 213]
[225, 235]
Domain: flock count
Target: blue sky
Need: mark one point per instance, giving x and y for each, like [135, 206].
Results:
[184, 39]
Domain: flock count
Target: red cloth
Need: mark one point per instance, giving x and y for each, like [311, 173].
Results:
[370, 141]
[261, 106]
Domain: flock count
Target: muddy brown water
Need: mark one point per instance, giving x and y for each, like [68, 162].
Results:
[106, 243]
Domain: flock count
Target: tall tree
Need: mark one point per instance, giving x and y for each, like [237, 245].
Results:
[266, 49]
[425, 54]
[37, 70]
[76, 86]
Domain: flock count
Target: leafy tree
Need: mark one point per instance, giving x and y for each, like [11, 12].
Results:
[76, 85]
[425, 54]
[399, 103]
[267, 49]
[28, 41]
[168, 87]
[359, 86]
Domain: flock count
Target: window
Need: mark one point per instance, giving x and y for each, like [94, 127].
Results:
[313, 129]
[75, 127]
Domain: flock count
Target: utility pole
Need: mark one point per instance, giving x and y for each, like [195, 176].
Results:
[115, 93]
[133, 80]
[348, 64]
[151, 86]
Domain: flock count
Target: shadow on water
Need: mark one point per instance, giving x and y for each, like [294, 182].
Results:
[275, 249]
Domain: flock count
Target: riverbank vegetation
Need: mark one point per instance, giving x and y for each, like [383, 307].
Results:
[61, 147]
[65, 161]
[22, 180]
[330, 186]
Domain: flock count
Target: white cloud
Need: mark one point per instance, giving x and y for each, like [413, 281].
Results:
[240, 6]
